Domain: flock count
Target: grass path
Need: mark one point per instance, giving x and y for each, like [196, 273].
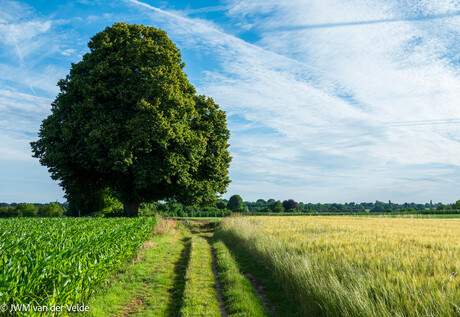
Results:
[180, 271]
[153, 286]
[234, 292]
[200, 296]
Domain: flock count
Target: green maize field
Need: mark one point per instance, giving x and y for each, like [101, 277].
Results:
[59, 261]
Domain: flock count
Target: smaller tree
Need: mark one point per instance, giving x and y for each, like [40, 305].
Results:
[235, 203]
[221, 205]
[7, 212]
[149, 209]
[378, 208]
[456, 205]
[4, 212]
[290, 204]
[276, 206]
[50, 210]
[27, 210]
[175, 208]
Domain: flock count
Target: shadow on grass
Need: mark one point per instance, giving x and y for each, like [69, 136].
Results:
[180, 270]
[206, 233]
[275, 299]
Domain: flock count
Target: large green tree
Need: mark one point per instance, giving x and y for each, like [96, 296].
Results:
[127, 120]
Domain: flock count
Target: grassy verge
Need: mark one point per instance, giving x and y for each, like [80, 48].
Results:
[200, 296]
[153, 285]
[237, 292]
[276, 298]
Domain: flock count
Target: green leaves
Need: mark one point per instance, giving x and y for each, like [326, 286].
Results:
[128, 119]
[61, 261]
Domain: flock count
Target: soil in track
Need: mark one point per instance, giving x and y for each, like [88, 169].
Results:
[258, 288]
[223, 311]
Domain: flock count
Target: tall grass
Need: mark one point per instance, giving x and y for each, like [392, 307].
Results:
[345, 266]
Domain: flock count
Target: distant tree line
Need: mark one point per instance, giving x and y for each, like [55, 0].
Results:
[175, 209]
[236, 205]
[291, 206]
[111, 207]
[31, 210]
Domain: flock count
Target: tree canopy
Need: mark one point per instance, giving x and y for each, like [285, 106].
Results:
[276, 206]
[27, 210]
[50, 210]
[127, 120]
[235, 203]
[290, 204]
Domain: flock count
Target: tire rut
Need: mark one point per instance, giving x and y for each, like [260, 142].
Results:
[180, 270]
[223, 311]
[260, 292]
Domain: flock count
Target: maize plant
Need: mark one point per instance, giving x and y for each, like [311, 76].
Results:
[59, 261]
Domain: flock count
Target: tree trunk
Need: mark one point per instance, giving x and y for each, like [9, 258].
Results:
[131, 209]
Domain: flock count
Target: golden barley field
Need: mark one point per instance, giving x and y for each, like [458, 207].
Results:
[350, 266]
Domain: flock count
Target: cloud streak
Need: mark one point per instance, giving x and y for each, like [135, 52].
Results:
[369, 22]
[327, 100]
[342, 103]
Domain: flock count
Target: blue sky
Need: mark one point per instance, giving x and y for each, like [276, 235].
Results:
[327, 101]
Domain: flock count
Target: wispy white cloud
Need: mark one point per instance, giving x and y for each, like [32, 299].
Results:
[13, 149]
[23, 102]
[13, 11]
[19, 123]
[68, 52]
[33, 50]
[43, 79]
[12, 33]
[332, 100]
[332, 94]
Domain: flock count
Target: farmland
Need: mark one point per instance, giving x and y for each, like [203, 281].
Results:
[342, 266]
[240, 266]
[54, 261]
